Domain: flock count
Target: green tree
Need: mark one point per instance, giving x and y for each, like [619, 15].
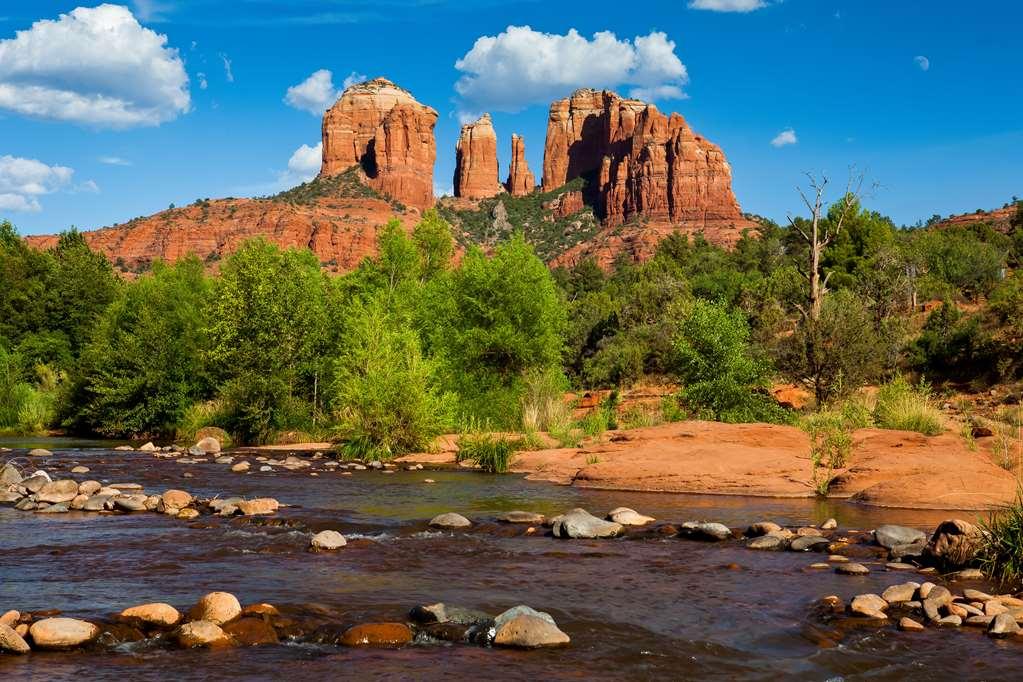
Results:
[83, 285]
[267, 327]
[142, 367]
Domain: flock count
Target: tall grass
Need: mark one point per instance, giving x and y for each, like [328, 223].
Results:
[830, 447]
[1001, 551]
[904, 407]
[543, 401]
[197, 416]
[488, 451]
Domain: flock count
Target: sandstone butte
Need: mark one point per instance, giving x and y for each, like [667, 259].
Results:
[476, 172]
[383, 129]
[649, 176]
[520, 179]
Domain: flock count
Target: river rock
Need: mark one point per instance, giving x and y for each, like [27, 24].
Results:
[148, 447]
[62, 633]
[870, 605]
[58, 491]
[967, 574]
[25, 505]
[9, 496]
[765, 542]
[852, 568]
[980, 621]
[188, 514]
[629, 517]
[807, 543]
[258, 506]
[521, 517]
[976, 595]
[96, 503]
[704, 530]
[909, 625]
[35, 482]
[208, 446]
[525, 628]
[250, 631]
[217, 607]
[157, 613]
[39, 452]
[450, 520]
[79, 502]
[952, 621]
[429, 613]
[936, 598]
[241, 467]
[260, 609]
[328, 540]
[377, 635]
[762, 528]
[152, 502]
[10, 618]
[899, 594]
[126, 486]
[11, 641]
[830, 524]
[130, 503]
[1003, 625]
[579, 523]
[178, 499]
[954, 543]
[9, 475]
[200, 633]
[89, 487]
[59, 508]
[889, 536]
[80, 470]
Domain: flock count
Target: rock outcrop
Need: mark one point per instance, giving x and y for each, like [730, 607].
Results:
[640, 164]
[520, 179]
[383, 129]
[476, 173]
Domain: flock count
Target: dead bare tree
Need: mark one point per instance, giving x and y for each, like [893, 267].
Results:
[821, 233]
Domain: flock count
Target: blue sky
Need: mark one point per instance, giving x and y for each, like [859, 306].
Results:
[188, 99]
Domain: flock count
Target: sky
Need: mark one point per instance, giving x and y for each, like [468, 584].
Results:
[109, 112]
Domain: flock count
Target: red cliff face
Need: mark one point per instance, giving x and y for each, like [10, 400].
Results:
[382, 128]
[641, 165]
[520, 179]
[476, 173]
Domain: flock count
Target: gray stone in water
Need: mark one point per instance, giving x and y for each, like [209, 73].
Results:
[328, 540]
[806, 543]
[527, 628]
[9, 496]
[1003, 625]
[58, 491]
[96, 503]
[131, 503]
[59, 508]
[830, 524]
[450, 520]
[890, 536]
[899, 594]
[35, 482]
[765, 542]
[704, 530]
[39, 452]
[520, 517]
[629, 517]
[25, 505]
[10, 475]
[852, 568]
[911, 551]
[579, 523]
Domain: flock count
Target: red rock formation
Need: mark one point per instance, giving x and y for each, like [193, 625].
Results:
[642, 164]
[476, 173]
[520, 179]
[565, 205]
[382, 128]
[341, 232]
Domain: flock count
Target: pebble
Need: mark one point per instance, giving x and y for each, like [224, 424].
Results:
[870, 605]
[820, 566]
[838, 559]
[425, 480]
[80, 470]
[910, 625]
[266, 468]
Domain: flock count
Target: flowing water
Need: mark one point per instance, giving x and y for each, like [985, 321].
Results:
[635, 608]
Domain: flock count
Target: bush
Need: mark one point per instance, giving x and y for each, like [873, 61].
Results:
[487, 451]
[385, 393]
[198, 416]
[721, 379]
[904, 407]
[830, 446]
[543, 400]
[1001, 550]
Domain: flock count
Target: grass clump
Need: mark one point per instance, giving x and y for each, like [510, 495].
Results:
[488, 451]
[904, 407]
[830, 447]
[1001, 550]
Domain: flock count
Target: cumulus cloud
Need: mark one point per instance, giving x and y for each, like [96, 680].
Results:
[94, 66]
[923, 62]
[23, 181]
[303, 166]
[520, 67]
[727, 5]
[317, 93]
[151, 10]
[785, 138]
[203, 83]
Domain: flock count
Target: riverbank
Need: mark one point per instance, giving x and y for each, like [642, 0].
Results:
[896, 469]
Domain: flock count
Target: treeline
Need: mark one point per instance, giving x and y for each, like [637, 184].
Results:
[416, 342]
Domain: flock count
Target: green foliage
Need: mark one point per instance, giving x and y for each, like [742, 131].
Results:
[953, 345]
[142, 367]
[543, 401]
[904, 407]
[198, 416]
[24, 408]
[1001, 550]
[961, 259]
[384, 391]
[486, 450]
[345, 185]
[830, 447]
[714, 362]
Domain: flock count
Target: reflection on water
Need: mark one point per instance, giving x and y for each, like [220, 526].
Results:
[635, 608]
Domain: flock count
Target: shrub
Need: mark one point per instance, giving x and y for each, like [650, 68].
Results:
[904, 407]
[830, 447]
[198, 416]
[641, 416]
[543, 400]
[487, 451]
[1001, 550]
[721, 378]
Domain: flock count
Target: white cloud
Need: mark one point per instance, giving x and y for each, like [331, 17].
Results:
[317, 93]
[520, 66]
[89, 186]
[228, 73]
[784, 138]
[22, 181]
[728, 5]
[114, 161]
[151, 10]
[203, 83]
[303, 166]
[94, 66]
[923, 62]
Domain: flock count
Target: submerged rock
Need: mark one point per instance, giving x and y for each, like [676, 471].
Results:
[579, 523]
[258, 506]
[629, 517]
[450, 520]
[765, 542]
[519, 516]
[251, 631]
[377, 634]
[807, 543]
[328, 540]
[159, 614]
[201, 633]
[39, 452]
[526, 628]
